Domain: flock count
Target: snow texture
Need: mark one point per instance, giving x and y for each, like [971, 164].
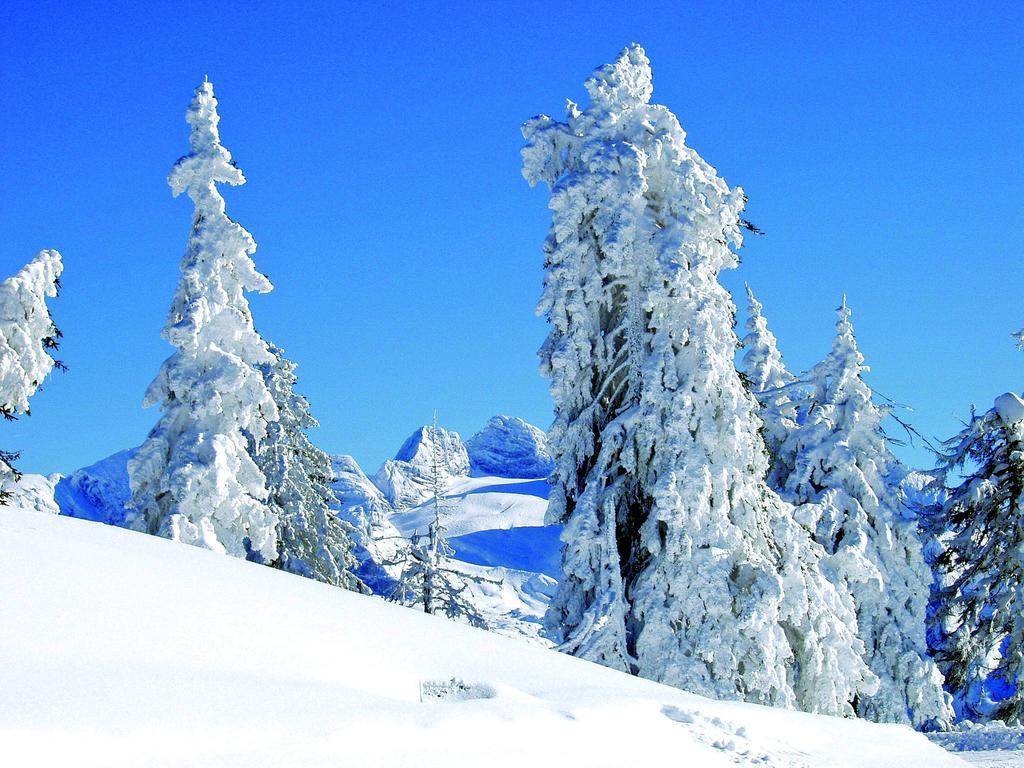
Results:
[679, 563]
[335, 678]
[193, 479]
[510, 447]
[1010, 408]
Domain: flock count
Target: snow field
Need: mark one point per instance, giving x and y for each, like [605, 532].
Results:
[126, 649]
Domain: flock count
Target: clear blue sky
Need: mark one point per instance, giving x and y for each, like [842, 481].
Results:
[880, 144]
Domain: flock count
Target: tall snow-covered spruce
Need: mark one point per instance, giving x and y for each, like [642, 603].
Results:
[977, 629]
[679, 563]
[28, 336]
[193, 479]
[312, 540]
[847, 485]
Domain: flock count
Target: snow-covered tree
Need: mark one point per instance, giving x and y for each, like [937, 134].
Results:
[28, 337]
[849, 484]
[679, 563]
[193, 479]
[977, 627]
[312, 540]
[766, 375]
[427, 578]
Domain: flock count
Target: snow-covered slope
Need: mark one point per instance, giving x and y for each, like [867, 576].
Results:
[125, 649]
[482, 503]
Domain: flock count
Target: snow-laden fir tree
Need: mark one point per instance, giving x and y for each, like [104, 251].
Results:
[977, 627]
[427, 578]
[679, 563]
[193, 479]
[766, 375]
[849, 485]
[312, 540]
[28, 337]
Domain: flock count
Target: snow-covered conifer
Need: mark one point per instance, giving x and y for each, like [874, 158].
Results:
[193, 479]
[28, 336]
[849, 485]
[312, 540]
[679, 563]
[766, 374]
[978, 625]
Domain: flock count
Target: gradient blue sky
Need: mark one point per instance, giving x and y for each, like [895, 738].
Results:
[880, 144]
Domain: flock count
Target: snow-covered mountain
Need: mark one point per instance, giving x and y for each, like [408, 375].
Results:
[98, 492]
[124, 649]
[496, 496]
[510, 447]
[404, 480]
[364, 507]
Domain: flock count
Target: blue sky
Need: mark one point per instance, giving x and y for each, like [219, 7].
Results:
[880, 144]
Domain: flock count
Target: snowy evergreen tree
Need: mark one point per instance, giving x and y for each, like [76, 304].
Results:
[977, 628]
[849, 484]
[427, 578]
[766, 375]
[312, 540]
[28, 337]
[679, 563]
[193, 479]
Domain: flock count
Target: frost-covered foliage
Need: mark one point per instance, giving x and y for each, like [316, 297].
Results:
[510, 447]
[427, 577]
[766, 375]
[978, 625]
[193, 479]
[28, 336]
[849, 484]
[311, 540]
[679, 563]
[406, 480]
